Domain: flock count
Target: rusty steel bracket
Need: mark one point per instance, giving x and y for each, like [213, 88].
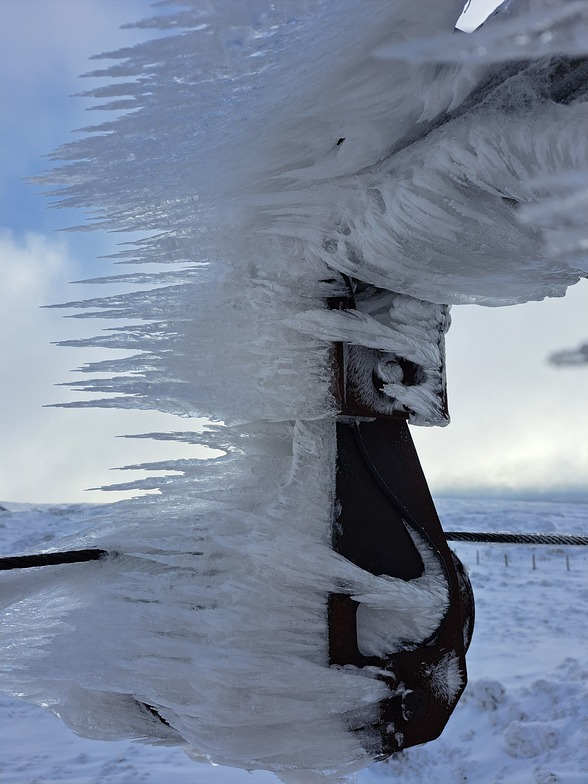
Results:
[368, 382]
[381, 496]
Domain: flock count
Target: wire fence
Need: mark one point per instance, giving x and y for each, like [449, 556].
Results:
[527, 558]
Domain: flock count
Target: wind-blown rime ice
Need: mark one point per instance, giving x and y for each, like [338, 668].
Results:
[214, 614]
[268, 170]
[272, 152]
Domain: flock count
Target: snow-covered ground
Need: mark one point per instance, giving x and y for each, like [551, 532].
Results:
[523, 718]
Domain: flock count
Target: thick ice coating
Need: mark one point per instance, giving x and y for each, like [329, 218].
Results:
[276, 154]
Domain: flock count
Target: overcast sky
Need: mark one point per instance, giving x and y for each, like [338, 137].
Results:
[518, 423]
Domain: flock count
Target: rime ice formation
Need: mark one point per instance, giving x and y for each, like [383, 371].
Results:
[273, 153]
[578, 356]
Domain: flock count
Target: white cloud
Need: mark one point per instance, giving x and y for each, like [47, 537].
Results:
[518, 423]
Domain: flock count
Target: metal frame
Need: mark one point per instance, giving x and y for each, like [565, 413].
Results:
[381, 493]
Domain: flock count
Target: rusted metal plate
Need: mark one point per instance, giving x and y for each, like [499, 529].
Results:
[381, 493]
[370, 531]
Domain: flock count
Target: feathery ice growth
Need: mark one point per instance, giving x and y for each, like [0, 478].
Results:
[311, 174]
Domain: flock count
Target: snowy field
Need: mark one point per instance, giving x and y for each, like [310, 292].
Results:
[523, 718]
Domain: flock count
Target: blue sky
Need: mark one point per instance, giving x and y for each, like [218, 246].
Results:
[518, 423]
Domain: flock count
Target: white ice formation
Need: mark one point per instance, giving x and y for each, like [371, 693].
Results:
[272, 152]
